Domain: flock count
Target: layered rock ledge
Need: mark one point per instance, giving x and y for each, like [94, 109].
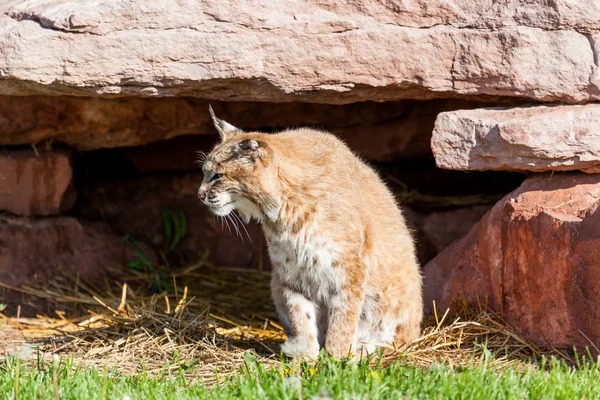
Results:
[296, 50]
[558, 138]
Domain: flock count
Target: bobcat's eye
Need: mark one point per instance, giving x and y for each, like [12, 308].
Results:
[245, 145]
[248, 144]
[215, 177]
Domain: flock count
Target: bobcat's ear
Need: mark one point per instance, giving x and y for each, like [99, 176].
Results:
[224, 128]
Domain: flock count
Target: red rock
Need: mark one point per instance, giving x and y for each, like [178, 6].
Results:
[534, 259]
[33, 184]
[47, 246]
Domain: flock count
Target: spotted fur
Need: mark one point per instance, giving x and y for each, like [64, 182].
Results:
[345, 276]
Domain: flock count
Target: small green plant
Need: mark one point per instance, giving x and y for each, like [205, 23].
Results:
[160, 277]
[142, 262]
[175, 228]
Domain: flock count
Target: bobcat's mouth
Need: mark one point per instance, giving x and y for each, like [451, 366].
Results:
[221, 210]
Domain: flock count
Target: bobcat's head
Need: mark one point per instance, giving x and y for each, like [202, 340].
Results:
[239, 175]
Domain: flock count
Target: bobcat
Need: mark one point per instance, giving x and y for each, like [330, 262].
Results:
[345, 274]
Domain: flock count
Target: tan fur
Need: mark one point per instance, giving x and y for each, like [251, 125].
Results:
[344, 267]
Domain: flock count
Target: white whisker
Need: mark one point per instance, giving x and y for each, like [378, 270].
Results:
[243, 226]
[234, 222]
[237, 228]
[202, 157]
[227, 223]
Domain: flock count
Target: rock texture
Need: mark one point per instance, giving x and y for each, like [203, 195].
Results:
[533, 258]
[537, 139]
[33, 184]
[58, 245]
[294, 50]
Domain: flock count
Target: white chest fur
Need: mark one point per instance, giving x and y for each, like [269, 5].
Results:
[306, 260]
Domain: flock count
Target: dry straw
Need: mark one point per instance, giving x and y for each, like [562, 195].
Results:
[211, 316]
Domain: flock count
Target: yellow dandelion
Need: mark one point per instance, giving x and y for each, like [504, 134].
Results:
[374, 375]
[312, 371]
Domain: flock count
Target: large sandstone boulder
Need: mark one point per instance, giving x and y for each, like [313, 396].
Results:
[36, 184]
[558, 138]
[534, 258]
[293, 50]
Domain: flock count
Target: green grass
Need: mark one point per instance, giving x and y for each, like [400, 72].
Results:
[326, 379]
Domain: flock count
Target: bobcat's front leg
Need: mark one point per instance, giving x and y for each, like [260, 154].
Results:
[299, 314]
[344, 315]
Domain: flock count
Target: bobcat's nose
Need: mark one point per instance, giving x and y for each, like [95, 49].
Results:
[201, 193]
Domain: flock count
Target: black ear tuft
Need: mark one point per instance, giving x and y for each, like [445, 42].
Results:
[224, 128]
[248, 144]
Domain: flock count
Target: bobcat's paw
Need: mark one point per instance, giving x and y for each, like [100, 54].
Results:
[301, 347]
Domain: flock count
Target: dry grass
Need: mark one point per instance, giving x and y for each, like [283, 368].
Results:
[475, 334]
[211, 319]
[218, 315]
